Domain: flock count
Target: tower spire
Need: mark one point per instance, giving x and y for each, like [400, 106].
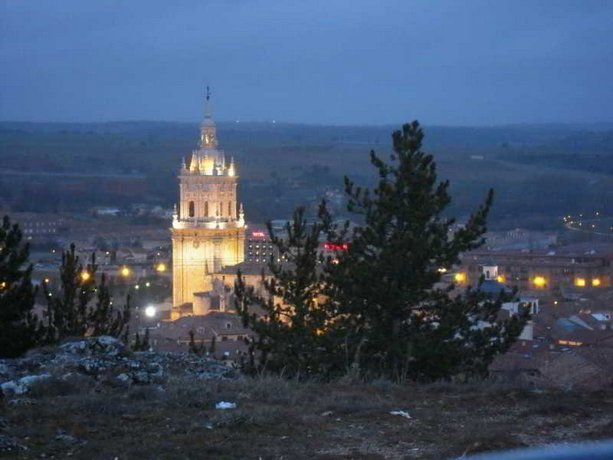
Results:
[208, 132]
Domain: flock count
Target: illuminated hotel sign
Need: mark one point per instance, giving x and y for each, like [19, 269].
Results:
[336, 247]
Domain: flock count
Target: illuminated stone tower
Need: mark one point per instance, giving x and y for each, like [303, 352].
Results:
[208, 228]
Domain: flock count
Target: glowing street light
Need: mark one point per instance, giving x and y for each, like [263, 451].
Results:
[539, 281]
[160, 268]
[85, 275]
[150, 311]
[125, 272]
[580, 282]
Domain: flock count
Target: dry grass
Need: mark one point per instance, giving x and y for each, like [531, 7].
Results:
[277, 419]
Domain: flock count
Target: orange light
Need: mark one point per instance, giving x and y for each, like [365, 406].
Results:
[161, 267]
[539, 281]
[459, 277]
[572, 343]
[595, 282]
[501, 279]
[125, 271]
[85, 275]
[580, 282]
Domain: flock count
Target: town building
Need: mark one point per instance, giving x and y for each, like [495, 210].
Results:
[208, 227]
[259, 247]
[40, 225]
[538, 271]
[220, 330]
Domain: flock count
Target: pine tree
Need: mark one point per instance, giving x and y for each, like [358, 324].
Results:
[289, 325]
[141, 344]
[81, 306]
[197, 349]
[104, 319]
[19, 328]
[385, 312]
[393, 317]
[213, 346]
[67, 309]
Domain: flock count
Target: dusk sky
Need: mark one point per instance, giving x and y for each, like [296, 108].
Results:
[319, 62]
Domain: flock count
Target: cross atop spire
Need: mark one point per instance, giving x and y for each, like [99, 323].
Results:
[207, 110]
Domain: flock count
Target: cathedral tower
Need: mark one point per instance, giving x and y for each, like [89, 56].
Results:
[208, 228]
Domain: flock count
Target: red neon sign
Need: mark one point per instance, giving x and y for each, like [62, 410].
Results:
[336, 247]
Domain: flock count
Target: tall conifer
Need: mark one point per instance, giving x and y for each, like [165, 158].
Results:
[18, 326]
[395, 317]
[289, 324]
[384, 311]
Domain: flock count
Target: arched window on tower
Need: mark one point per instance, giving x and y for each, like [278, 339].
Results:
[229, 209]
[192, 210]
[206, 209]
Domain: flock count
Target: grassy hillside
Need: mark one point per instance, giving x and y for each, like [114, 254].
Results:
[278, 419]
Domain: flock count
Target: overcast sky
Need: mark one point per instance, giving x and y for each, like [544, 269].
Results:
[326, 62]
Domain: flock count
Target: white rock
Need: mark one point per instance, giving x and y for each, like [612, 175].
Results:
[22, 385]
[401, 413]
[225, 405]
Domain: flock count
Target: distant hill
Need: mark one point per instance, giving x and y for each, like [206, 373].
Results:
[590, 136]
[540, 172]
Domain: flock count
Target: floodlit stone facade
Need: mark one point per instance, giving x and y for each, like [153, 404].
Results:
[208, 228]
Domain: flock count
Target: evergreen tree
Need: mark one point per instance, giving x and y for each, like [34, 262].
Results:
[18, 326]
[213, 346]
[81, 307]
[288, 322]
[394, 318]
[104, 319]
[197, 349]
[141, 344]
[67, 309]
[385, 311]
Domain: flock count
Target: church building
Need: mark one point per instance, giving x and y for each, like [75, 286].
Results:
[208, 227]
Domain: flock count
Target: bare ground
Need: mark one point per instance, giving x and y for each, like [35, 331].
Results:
[278, 419]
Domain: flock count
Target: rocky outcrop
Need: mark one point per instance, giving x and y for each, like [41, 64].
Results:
[102, 361]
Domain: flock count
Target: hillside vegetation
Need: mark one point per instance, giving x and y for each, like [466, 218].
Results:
[276, 418]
